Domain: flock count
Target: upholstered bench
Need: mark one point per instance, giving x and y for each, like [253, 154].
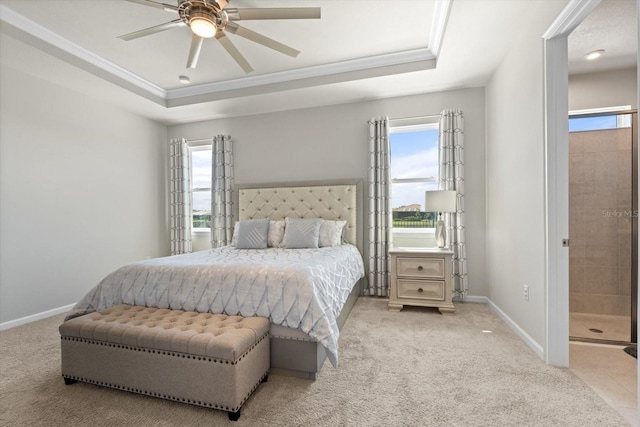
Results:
[210, 360]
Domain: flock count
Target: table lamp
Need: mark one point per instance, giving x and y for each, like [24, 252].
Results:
[440, 201]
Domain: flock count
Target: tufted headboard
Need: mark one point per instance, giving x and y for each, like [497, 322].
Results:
[332, 202]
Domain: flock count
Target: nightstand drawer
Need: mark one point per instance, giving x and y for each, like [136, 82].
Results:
[420, 267]
[421, 289]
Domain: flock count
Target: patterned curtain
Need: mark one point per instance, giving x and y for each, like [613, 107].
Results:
[222, 191]
[180, 196]
[379, 233]
[451, 152]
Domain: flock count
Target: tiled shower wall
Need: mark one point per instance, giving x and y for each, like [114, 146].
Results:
[600, 215]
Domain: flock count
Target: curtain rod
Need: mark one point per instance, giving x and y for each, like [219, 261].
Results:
[416, 117]
[200, 140]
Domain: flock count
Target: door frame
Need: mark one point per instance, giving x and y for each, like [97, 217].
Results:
[556, 132]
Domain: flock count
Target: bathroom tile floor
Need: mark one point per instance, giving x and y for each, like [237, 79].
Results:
[615, 328]
[610, 372]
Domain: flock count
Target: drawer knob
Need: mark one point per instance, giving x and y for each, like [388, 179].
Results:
[419, 289]
[420, 268]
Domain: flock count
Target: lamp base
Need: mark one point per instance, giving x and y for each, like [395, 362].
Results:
[441, 235]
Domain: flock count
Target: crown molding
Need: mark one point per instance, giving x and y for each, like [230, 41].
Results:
[46, 40]
[225, 92]
[342, 68]
[51, 43]
[438, 24]
[570, 17]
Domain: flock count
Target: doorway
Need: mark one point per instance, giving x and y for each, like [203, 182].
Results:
[603, 227]
[600, 368]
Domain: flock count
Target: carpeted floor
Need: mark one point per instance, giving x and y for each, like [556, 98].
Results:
[413, 368]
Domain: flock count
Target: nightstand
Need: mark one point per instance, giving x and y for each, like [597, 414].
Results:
[422, 277]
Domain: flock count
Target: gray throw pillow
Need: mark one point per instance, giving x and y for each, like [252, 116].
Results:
[252, 234]
[301, 233]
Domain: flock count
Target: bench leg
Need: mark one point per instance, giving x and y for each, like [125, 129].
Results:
[69, 381]
[233, 416]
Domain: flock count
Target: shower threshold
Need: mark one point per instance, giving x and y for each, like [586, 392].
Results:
[601, 341]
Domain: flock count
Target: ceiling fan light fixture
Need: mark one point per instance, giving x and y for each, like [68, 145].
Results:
[185, 80]
[210, 19]
[202, 24]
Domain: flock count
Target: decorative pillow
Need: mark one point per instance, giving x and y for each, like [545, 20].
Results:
[302, 233]
[331, 233]
[276, 234]
[253, 233]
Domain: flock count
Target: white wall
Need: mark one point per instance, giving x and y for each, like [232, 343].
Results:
[82, 191]
[603, 89]
[515, 177]
[331, 143]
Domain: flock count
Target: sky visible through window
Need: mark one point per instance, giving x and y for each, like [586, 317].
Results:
[413, 155]
[592, 123]
[201, 178]
[611, 121]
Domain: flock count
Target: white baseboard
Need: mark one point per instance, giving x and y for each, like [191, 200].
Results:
[471, 298]
[38, 316]
[537, 348]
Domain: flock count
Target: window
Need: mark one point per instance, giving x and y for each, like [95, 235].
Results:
[200, 157]
[414, 170]
[610, 121]
[597, 119]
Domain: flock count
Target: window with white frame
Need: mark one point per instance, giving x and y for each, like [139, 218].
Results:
[598, 119]
[414, 170]
[200, 158]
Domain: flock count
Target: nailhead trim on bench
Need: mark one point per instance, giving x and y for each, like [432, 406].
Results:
[164, 396]
[166, 352]
[282, 337]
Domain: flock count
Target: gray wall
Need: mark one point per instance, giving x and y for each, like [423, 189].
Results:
[331, 143]
[515, 176]
[603, 89]
[82, 191]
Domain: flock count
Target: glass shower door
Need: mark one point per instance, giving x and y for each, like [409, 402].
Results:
[603, 227]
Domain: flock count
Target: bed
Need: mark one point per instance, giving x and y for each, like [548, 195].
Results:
[322, 284]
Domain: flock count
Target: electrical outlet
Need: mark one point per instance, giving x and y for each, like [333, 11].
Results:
[525, 292]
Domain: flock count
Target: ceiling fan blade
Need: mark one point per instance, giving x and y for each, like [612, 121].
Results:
[235, 14]
[233, 51]
[164, 6]
[152, 30]
[263, 40]
[194, 51]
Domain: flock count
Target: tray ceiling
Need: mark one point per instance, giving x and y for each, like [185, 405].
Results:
[358, 50]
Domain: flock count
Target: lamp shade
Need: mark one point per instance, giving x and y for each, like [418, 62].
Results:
[440, 201]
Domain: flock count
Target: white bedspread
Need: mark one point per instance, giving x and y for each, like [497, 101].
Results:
[297, 288]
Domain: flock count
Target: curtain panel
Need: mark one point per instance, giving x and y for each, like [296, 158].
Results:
[451, 154]
[222, 191]
[379, 210]
[179, 197]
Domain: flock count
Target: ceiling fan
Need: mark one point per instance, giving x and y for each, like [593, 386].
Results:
[212, 18]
